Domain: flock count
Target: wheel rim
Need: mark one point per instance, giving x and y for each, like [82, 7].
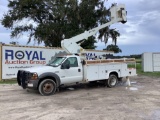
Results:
[113, 81]
[48, 87]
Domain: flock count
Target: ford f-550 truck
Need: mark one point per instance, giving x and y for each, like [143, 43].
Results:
[74, 68]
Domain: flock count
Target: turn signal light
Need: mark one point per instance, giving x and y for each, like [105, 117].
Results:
[34, 76]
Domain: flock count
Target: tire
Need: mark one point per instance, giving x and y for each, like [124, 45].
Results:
[112, 81]
[47, 87]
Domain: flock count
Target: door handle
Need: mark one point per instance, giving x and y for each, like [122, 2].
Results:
[79, 70]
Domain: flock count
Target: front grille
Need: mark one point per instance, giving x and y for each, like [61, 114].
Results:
[22, 78]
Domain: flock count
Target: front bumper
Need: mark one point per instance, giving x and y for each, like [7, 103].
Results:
[24, 80]
[32, 84]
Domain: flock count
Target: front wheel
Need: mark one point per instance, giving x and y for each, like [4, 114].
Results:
[112, 81]
[47, 87]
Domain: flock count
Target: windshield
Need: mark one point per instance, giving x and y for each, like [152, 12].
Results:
[56, 62]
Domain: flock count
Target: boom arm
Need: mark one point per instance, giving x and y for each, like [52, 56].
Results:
[118, 14]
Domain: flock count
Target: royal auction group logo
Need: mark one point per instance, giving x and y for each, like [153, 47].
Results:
[19, 55]
[24, 57]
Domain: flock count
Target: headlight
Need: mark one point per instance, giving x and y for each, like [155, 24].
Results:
[34, 76]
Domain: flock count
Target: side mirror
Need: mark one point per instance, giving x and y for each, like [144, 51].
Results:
[83, 62]
[62, 66]
[67, 66]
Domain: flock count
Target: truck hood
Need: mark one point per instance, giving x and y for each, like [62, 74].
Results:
[41, 69]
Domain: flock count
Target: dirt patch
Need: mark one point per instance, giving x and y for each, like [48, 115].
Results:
[84, 102]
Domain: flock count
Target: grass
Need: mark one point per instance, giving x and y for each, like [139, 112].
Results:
[151, 74]
[140, 72]
[12, 81]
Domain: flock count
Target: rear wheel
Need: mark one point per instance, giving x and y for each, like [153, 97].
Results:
[112, 81]
[47, 87]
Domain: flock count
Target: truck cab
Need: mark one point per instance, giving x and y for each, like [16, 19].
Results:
[61, 70]
[69, 68]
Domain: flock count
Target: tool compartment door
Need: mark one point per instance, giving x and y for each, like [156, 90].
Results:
[102, 72]
[92, 72]
[131, 72]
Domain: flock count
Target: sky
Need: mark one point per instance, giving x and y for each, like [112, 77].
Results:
[140, 34]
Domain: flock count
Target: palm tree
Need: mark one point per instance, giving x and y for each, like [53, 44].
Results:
[114, 34]
[106, 32]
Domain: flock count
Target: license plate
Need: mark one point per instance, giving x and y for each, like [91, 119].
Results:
[30, 85]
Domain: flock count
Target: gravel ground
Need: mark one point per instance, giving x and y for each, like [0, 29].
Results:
[140, 101]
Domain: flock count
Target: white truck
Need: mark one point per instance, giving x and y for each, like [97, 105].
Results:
[74, 68]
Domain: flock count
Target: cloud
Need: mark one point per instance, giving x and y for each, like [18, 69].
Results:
[3, 7]
[141, 32]
[150, 23]
[149, 5]
[5, 33]
[142, 27]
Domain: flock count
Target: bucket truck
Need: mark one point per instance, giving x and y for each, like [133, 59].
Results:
[74, 68]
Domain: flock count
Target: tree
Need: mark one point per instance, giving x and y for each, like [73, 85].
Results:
[114, 48]
[114, 34]
[49, 20]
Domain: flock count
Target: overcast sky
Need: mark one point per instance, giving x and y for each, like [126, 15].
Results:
[140, 34]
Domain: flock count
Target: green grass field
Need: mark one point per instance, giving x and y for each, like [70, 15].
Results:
[140, 72]
[13, 81]
[151, 74]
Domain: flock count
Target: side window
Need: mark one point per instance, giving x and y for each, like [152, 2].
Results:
[66, 62]
[73, 62]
